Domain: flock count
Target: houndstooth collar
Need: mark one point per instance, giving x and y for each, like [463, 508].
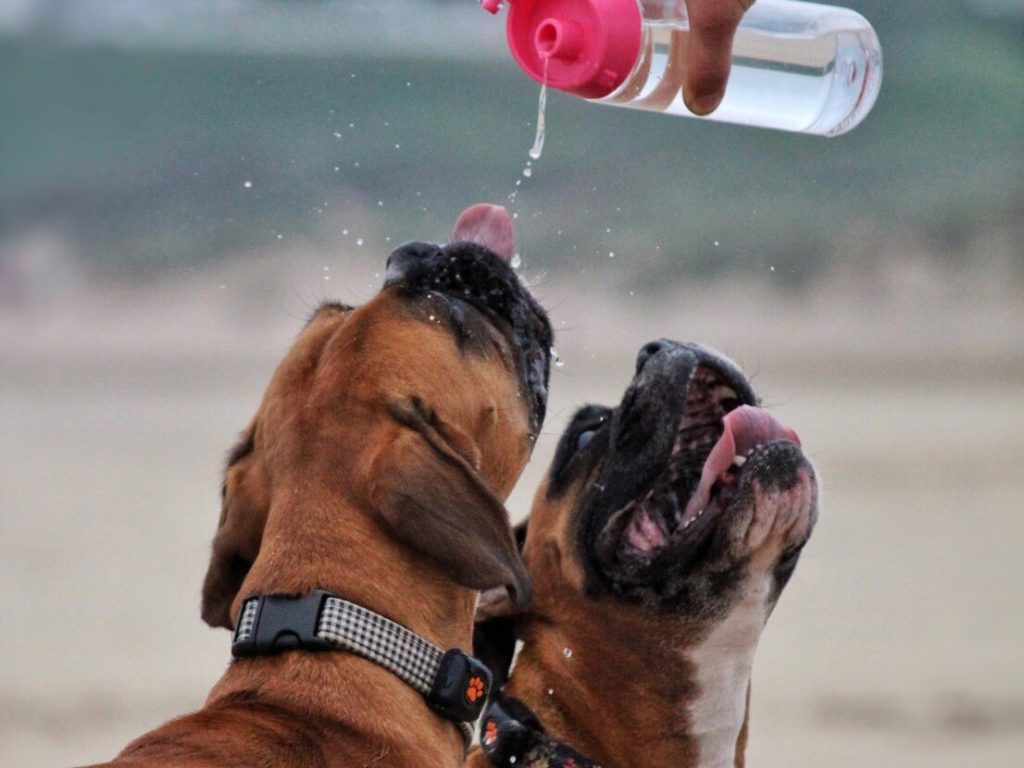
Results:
[454, 683]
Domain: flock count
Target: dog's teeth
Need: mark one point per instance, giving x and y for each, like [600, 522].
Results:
[687, 523]
[739, 461]
[723, 392]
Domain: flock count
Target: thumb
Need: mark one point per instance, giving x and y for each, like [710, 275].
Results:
[709, 51]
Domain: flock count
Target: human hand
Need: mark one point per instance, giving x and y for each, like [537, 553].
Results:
[709, 52]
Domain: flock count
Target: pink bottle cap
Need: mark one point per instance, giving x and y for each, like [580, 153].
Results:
[590, 46]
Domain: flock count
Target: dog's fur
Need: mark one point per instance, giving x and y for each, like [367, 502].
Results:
[374, 468]
[638, 647]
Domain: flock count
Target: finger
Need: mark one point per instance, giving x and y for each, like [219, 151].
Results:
[709, 51]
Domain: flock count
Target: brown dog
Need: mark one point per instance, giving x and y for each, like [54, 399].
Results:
[375, 468]
[658, 545]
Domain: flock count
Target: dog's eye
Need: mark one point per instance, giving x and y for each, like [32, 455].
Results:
[583, 438]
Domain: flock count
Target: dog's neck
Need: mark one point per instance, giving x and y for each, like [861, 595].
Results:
[360, 562]
[357, 561]
[635, 693]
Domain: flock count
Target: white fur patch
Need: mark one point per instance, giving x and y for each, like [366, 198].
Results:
[724, 662]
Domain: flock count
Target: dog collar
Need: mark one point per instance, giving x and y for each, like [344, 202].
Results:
[511, 735]
[454, 684]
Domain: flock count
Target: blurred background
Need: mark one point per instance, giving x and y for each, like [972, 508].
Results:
[181, 183]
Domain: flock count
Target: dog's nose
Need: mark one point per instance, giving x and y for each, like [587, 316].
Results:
[647, 351]
[405, 256]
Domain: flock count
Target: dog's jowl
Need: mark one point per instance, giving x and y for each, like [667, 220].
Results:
[362, 513]
[658, 544]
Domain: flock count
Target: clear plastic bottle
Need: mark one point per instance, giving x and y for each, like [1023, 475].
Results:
[796, 66]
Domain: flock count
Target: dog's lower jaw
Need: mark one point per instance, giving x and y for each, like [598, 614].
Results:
[687, 707]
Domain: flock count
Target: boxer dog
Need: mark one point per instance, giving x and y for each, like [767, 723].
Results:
[375, 469]
[658, 544]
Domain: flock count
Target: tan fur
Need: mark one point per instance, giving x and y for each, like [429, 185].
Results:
[338, 464]
[639, 688]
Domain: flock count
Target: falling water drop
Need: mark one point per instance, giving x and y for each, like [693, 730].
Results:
[555, 359]
[516, 262]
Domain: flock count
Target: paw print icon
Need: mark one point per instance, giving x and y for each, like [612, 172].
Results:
[490, 736]
[475, 689]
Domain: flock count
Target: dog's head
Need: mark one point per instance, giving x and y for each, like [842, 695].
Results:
[420, 407]
[671, 508]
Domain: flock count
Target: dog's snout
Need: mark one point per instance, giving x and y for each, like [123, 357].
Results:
[405, 256]
[647, 351]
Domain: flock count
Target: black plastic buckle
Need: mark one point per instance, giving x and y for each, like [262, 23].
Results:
[283, 623]
[461, 687]
[503, 737]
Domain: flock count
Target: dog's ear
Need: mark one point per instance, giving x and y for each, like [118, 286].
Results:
[497, 603]
[245, 502]
[434, 500]
[494, 631]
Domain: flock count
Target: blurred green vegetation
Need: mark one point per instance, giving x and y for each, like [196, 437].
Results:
[142, 158]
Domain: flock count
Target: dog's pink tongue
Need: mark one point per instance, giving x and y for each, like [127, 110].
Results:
[744, 429]
[486, 225]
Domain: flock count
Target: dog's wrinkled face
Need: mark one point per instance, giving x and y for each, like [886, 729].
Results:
[421, 405]
[682, 499]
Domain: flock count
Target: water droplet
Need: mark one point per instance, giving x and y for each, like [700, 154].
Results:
[247, 184]
[716, 243]
[359, 241]
[567, 652]
[344, 232]
[337, 135]
[527, 172]
[551, 691]
[516, 262]
[280, 237]
[337, 168]
[611, 254]
[398, 146]
[772, 268]
[431, 318]
[555, 359]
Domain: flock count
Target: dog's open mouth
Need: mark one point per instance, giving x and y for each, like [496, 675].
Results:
[716, 436]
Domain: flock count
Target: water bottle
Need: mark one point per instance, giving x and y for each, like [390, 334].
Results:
[795, 66]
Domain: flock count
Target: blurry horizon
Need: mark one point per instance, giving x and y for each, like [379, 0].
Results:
[146, 138]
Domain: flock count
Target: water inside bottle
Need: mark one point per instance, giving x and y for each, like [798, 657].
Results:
[814, 77]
